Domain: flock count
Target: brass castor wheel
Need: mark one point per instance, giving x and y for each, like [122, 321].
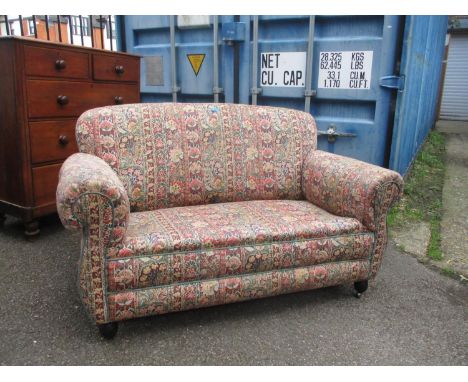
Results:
[109, 330]
[360, 287]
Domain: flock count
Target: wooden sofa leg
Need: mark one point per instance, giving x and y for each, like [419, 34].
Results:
[360, 287]
[109, 330]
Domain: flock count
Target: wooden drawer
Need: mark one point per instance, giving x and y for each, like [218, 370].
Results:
[71, 99]
[47, 62]
[45, 181]
[116, 68]
[52, 140]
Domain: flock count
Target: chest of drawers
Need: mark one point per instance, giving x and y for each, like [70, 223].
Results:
[44, 88]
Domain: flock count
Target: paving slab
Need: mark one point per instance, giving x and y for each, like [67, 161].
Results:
[410, 315]
[413, 238]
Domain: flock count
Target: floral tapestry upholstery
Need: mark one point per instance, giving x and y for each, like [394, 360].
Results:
[86, 176]
[349, 187]
[225, 290]
[179, 154]
[189, 205]
[184, 244]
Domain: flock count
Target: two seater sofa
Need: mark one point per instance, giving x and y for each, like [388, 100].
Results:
[182, 206]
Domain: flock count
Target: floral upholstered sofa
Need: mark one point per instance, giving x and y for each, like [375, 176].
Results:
[182, 206]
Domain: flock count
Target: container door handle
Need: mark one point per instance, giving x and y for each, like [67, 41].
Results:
[393, 82]
[332, 134]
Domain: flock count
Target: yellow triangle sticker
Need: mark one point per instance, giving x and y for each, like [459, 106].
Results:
[196, 61]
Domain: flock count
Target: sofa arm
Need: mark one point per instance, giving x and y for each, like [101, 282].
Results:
[90, 195]
[351, 188]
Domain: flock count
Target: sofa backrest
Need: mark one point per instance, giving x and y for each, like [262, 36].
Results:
[175, 154]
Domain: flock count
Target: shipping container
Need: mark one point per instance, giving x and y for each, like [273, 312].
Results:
[352, 73]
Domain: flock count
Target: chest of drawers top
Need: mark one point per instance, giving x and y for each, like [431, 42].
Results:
[64, 61]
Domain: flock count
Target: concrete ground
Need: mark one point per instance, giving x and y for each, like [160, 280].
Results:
[410, 315]
[454, 224]
[413, 238]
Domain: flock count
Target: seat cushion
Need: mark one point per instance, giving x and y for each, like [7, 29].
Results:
[200, 242]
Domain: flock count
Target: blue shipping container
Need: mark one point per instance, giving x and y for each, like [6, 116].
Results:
[344, 70]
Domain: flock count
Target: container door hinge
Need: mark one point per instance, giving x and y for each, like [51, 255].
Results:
[310, 93]
[256, 91]
[217, 90]
[393, 82]
[233, 32]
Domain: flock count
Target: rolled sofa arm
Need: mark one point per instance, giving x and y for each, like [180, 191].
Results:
[349, 187]
[89, 193]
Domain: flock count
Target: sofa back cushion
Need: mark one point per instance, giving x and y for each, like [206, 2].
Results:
[175, 154]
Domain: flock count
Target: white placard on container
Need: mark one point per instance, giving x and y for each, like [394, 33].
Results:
[283, 69]
[345, 70]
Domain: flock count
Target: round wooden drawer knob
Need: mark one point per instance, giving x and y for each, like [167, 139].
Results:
[60, 64]
[63, 140]
[62, 99]
[118, 100]
[119, 69]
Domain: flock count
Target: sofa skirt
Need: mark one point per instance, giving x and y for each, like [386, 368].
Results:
[196, 294]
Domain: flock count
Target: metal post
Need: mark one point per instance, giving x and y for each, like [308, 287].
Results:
[7, 24]
[175, 88]
[47, 27]
[255, 90]
[310, 56]
[81, 30]
[216, 89]
[91, 30]
[70, 27]
[21, 24]
[35, 26]
[59, 28]
[102, 31]
[110, 31]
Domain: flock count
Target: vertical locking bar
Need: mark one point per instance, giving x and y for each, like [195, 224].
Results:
[255, 89]
[310, 59]
[175, 88]
[215, 60]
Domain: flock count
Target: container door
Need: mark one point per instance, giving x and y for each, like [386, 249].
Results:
[180, 61]
[332, 67]
[421, 66]
[338, 68]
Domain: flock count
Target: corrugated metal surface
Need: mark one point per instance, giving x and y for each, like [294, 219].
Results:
[150, 37]
[364, 116]
[364, 113]
[455, 95]
[423, 51]
[360, 112]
